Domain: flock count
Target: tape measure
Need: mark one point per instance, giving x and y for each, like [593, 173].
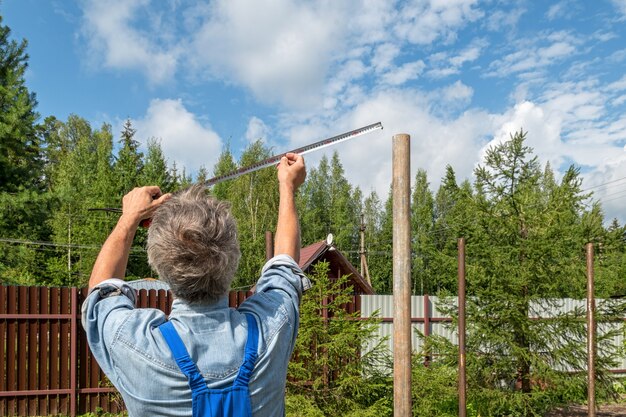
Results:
[274, 160]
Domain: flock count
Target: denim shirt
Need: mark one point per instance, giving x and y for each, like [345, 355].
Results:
[133, 354]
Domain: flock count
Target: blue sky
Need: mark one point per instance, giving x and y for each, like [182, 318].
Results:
[457, 75]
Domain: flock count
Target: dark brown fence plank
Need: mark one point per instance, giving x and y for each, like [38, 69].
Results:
[88, 377]
[152, 299]
[4, 340]
[143, 299]
[22, 332]
[33, 335]
[84, 365]
[54, 358]
[44, 308]
[162, 297]
[64, 350]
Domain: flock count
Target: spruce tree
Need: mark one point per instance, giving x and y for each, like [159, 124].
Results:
[155, 171]
[128, 165]
[525, 253]
[422, 222]
[20, 161]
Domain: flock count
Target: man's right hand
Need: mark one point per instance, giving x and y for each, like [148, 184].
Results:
[140, 203]
[291, 171]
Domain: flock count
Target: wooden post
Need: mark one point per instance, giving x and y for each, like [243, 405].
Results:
[73, 351]
[591, 336]
[269, 245]
[365, 273]
[401, 194]
[461, 285]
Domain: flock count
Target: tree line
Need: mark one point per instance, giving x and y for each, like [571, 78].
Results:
[53, 174]
[525, 230]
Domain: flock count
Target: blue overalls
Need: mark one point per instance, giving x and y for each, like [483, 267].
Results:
[233, 401]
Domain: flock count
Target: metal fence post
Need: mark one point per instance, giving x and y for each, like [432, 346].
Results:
[461, 285]
[591, 336]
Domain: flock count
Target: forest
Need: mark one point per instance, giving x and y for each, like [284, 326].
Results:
[54, 173]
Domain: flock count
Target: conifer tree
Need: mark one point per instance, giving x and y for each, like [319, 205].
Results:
[23, 206]
[128, 165]
[378, 247]
[20, 162]
[422, 222]
[155, 171]
[525, 252]
[330, 371]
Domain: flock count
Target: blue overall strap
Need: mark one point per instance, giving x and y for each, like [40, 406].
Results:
[250, 354]
[181, 356]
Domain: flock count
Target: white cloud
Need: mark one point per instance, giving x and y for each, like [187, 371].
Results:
[535, 55]
[406, 72]
[444, 64]
[424, 22]
[257, 129]
[384, 55]
[457, 92]
[184, 139]
[280, 50]
[564, 9]
[619, 85]
[115, 43]
[621, 6]
[505, 20]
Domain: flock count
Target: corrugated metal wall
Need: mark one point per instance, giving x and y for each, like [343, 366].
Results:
[428, 320]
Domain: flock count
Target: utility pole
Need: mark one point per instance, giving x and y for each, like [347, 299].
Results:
[365, 273]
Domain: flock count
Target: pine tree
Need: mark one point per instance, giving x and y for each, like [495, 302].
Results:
[378, 247]
[24, 208]
[330, 372]
[381, 261]
[525, 252]
[225, 164]
[128, 165]
[20, 161]
[155, 170]
[422, 222]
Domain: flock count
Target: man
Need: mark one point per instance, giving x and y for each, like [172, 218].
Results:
[156, 362]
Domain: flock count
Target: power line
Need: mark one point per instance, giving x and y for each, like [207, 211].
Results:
[613, 199]
[604, 184]
[61, 245]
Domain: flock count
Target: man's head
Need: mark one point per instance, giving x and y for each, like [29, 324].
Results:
[193, 245]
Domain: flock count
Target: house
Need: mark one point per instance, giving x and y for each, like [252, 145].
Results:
[339, 265]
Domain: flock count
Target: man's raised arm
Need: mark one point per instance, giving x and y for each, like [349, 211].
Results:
[137, 205]
[291, 174]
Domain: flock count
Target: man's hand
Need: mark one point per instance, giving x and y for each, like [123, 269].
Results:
[291, 171]
[140, 203]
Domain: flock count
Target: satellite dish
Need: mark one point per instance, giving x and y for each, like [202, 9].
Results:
[329, 239]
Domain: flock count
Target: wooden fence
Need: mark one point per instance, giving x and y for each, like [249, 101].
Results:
[46, 367]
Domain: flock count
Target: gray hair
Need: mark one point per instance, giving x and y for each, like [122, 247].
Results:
[193, 245]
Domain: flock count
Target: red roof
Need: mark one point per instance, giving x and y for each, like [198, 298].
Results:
[310, 253]
[323, 251]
